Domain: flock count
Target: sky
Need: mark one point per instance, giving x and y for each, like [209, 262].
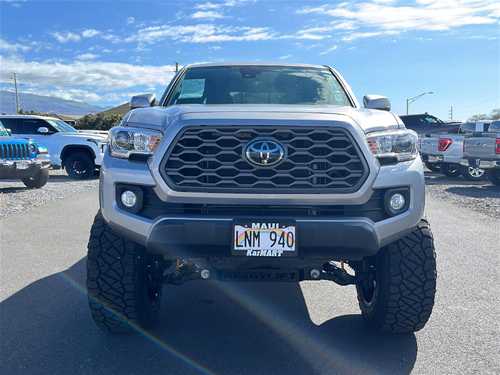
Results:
[104, 52]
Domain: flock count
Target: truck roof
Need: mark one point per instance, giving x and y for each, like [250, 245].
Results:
[255, 64]
[29, 117]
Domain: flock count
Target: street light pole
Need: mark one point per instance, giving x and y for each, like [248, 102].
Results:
[411, 100]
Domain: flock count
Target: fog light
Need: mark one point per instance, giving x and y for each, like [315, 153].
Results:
[129, 199]
[397, 202]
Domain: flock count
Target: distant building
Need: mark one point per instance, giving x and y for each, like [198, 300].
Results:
[68, 119]
[120, 110]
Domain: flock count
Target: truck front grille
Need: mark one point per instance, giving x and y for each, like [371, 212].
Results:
[212, 159]
[14, 151]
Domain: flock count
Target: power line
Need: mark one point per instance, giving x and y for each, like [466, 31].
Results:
[474, 105]
[478, 109]
[478, 97]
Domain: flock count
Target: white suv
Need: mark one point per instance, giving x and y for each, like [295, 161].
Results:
[79, 153]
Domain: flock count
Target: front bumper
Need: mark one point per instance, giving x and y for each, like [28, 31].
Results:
[11, 169]
[479, 163]
[332, 238]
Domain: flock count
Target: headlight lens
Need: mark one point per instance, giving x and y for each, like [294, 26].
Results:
[126, 141]
[397, 144]
[32, 148]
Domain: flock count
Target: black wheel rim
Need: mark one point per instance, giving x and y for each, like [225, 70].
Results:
[80, 166]
[452, 168]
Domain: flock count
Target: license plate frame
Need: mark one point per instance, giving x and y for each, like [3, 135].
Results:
[22, 165]
[252, 229]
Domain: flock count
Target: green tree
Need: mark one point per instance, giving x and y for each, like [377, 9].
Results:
[494, 115]
[98, 122]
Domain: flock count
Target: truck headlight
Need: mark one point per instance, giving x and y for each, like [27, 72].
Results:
[33, 148]
[400, 145]
[125, 141]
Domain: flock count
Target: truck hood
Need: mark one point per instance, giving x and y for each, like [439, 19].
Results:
[82, 136]
[159, 118]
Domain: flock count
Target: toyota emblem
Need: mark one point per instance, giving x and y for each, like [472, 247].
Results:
[264, 152]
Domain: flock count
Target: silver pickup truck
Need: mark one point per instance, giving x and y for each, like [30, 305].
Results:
[482, 150]
[442, 152]
[261, 172]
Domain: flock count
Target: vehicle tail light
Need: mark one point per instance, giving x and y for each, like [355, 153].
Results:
[420, 144]
[497, 146]
[463, 148]
[444, 143]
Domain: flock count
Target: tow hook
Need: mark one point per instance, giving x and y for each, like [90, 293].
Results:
[337, 274]
[186, 272]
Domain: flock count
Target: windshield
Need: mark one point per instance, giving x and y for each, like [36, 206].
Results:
[3, 131]
[62, 127]
[258, 85]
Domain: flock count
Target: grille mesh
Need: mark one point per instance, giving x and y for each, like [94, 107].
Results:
[206, 158]
[14, 151]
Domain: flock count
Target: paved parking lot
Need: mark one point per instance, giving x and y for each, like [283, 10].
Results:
[224, 328]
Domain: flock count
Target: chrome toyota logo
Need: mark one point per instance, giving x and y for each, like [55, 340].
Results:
[264, 152]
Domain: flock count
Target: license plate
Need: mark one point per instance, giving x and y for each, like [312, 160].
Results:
[474, 162]
[21, 165]
[264, 239]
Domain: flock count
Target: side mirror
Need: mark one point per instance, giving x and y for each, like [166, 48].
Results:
[43, 130]
[9, 132]
[376, 102]
[143, 101]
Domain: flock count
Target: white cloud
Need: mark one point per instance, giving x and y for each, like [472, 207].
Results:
[284, 57]
[218, 5]
[66, 37]
[210, 15]
[89, 33]
[425, 15]
[213, 48]
[67, 94]
[105, 50]
[87, 56]
[130, 20]
[201, 33]
[328, 50]
[7, 47]
[111, 38]
[95, 74]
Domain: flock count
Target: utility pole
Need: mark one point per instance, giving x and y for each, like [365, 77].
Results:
[411, 100]
[451, 114]
[17, 96]
[176, 66]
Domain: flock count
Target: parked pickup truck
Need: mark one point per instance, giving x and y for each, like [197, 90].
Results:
[23, 159]
[261, 172]
[482, 150]
[442, 152]
[79, 153]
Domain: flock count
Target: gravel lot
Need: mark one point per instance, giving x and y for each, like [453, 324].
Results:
[15, 197]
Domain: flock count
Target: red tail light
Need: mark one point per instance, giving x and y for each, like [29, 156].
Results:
[463, 148]
[444, 143]
[497, 146]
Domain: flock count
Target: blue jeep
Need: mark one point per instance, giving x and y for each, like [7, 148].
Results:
[22, 158]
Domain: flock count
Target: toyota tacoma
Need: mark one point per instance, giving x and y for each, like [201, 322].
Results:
[261, 172]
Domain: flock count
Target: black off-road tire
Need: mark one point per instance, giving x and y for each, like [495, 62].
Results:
[450, 169]
[397, 289]
[124, 282]
[473, 174]
[79, 165]
[495, 177]
[38, 180]
[433, 167]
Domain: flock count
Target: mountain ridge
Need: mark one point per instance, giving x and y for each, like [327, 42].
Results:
[52, 104]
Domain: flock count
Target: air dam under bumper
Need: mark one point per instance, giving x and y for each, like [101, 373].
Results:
[182, 238]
